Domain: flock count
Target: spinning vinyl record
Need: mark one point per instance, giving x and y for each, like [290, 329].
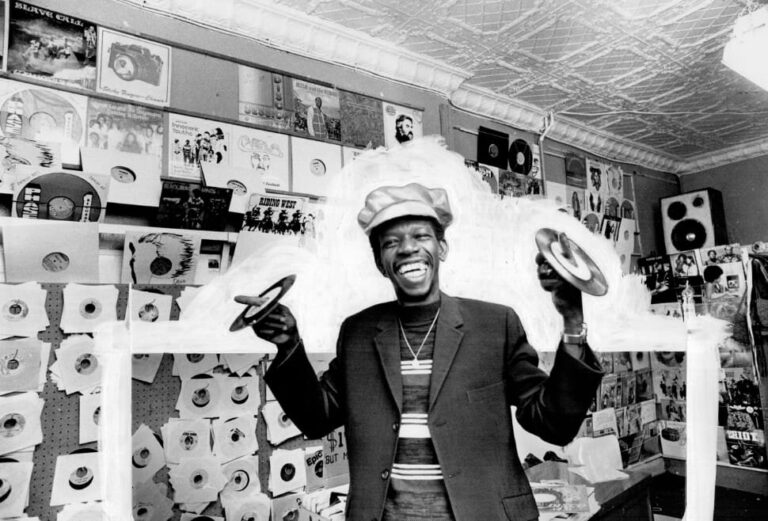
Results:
[40, 114]
[520, 157]
[571, 262]
[59, 196]
[254, 314]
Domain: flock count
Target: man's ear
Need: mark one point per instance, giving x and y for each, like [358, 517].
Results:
[443, 250]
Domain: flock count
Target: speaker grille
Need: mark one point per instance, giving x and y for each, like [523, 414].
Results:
[676, 210]
[689, 234]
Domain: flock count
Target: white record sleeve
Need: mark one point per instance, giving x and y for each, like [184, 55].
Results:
[77, 479]
[196, 480]
[234, 437]
[186, 439]
[187, 365]
[22, 309]
[242, 181]
[87, 306]
[48, 251]
[135, 178]
[255, 507]
[20, 362]
[242, 478]
[279, 425]
[151, 503]
[90, 414]
[239, 396]
[200, 398]
[147, 306]
[78, 364]
[286, 471]
[262, 153]
[147, 455]
[20, 425]
[144, 366]
[314, 164]
[14, 479]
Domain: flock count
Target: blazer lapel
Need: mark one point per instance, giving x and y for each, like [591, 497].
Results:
[387, 343]
[447, 340]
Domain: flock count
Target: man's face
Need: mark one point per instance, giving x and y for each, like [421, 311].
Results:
[712, 255]
[410, 258]
[404, 129]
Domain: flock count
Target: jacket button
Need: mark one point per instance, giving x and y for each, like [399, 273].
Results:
[384, 474]
[395, 426]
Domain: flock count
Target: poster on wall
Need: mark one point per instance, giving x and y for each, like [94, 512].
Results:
[51, 46]
[264, 153]
[316, 110]
[134, 68]
[401, 124]
[265, 98]
[194, 141]
[575, 171]
[123, 127]
[43, 115]
[362, 121]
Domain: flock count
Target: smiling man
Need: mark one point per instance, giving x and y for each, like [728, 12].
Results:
[424, 384]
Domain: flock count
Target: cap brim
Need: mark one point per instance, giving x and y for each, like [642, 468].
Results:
[401, 209]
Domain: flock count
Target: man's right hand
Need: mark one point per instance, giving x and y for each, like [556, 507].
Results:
[279, 327]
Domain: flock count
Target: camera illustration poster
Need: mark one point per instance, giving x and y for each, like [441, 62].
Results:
[51, 46]
[134, 68]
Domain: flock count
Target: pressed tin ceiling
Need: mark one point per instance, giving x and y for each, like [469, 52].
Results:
[637, 80]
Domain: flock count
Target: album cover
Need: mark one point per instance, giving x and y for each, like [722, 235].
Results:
[673, 410]
[597, 190]
[669, 383]
[604, 422]
[316, 110]
[575, 171]
[200, 397]
[606, 361]
[134, 68]
[265, 98]
[17, 151]
[658, 278]
[621, 423]
[193, 206]
[51, 46]
[673, 438]
[630, 389]
[59, 195]
[615, 181]
[279, 425]
[43, 115]
[535, 171]
[622, 361]
[239, 396]
[362, 121]
[608, 392]
[401, 124]
[625, 243]
[144, 367]
[647, 411]
[644, 384]
[274, 214]
[512, 184]
[488, 175]
[195, 141]
[255, 508]
[123, 127]
[744, 417]
[739, 386]
[160, 257]
[492, 147]
[313, 459]
[746, 448]
[134, 178]
[262, 153]
[77, 367]
[90, 414]
[47, 251]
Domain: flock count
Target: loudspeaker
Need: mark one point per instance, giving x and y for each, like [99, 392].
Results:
[693, 220]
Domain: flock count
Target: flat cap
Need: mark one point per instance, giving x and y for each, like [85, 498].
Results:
[391, 202]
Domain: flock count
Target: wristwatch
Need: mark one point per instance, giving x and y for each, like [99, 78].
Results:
[578, 337]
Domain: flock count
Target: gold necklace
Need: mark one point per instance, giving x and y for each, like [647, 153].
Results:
[408, 344]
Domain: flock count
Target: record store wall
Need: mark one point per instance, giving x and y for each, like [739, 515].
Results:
[744, 186]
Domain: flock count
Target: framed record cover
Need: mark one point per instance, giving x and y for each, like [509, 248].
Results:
[43, 115]
[265, 98]
[134, 178]
[362, 122]
[123, 127]
[194, 141]
[263, 153]
[160, 258]
[51, 46]
[134, 68]
[316, 110]
[401, 124]
[17, 151]
[193, 206]
[314, 166]
[492, 147]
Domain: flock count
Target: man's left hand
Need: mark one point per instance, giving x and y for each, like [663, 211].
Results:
[565, 296]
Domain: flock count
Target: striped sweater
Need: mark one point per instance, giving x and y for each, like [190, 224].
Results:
[417, 490]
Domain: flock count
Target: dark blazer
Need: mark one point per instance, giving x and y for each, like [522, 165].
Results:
[482, 364]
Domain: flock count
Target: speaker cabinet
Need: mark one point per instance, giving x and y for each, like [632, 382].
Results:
[693, 220]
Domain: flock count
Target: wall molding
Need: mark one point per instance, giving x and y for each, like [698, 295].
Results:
[291, 30]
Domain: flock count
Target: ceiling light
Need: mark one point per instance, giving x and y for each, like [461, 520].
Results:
[745, 52]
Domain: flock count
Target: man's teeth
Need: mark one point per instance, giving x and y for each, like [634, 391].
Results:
[412, 268]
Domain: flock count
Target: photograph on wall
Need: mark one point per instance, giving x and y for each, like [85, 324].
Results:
[362, 123]
[575, 201]
[316, 110]
[264, 153]
[124, 127]
[134, 68]
[43, 115]
[193, 206]
[614, 177]
[597, 188]
[51, 46]
[265, 98]
[314, 165]
[193, 141]
[401, 124]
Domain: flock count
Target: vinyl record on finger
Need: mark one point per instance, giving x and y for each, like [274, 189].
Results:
[254, 314]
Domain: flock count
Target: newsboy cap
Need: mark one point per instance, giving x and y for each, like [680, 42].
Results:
[390, 202]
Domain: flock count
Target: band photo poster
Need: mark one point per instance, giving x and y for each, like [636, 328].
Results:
[134, 68]
[51, 46]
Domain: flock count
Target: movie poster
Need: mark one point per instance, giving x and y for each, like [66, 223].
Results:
[134, 68]
[362, 121]
[51, 46]
[316, 111]
[264, 153]
[123, 127]
[265, 98]
[401, 124]
[194, 141]
[43, 115]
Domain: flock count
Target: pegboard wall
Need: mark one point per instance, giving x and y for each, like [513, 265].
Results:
[60, 417]
[155, 403]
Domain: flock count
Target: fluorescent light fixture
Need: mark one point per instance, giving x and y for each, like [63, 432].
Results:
[746, 52]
